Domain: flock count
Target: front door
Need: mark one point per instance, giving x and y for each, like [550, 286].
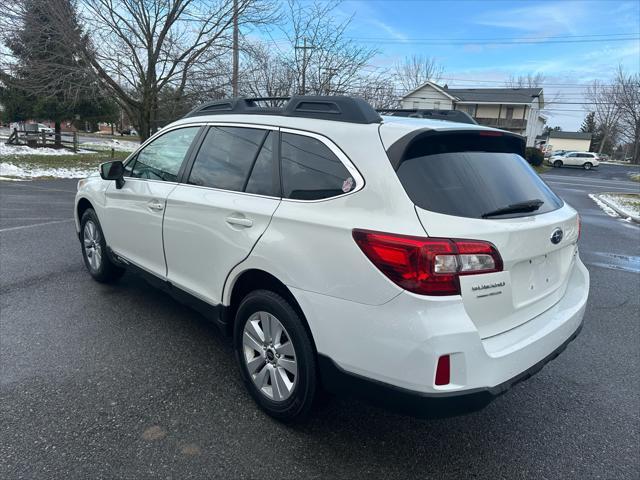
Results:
[214, 219]
[133, 214]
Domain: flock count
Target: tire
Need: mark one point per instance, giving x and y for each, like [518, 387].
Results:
[557, 163]
[94, 250]
[266, 364]
[587, 166]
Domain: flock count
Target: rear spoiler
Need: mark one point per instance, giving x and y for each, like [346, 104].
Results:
[447, 115]
[437, 141]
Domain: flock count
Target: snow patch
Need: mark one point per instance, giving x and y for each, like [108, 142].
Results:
[607, 209]
[6, 150]
[118, 145]
[623, 204]
[9, 179]
[23, 171]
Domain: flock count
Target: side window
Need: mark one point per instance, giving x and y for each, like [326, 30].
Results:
[162, 158]
[310, 170]
[226, 157]
[261, 180]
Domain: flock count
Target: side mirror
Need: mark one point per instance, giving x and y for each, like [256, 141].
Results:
[113, 171]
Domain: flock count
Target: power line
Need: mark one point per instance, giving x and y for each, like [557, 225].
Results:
[493, 41]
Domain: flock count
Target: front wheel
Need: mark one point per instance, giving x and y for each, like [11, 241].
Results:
[557, 164]
[276, 357]
[94, 250]
[587, 166]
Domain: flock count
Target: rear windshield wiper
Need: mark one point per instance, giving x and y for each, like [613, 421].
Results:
[520, 207]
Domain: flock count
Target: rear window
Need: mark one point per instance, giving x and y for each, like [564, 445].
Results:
[471, 176]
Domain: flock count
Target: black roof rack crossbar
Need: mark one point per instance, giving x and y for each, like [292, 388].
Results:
[330, 107]
[448, 115]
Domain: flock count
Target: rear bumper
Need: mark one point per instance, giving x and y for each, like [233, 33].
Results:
[388, 353]
[425, 405]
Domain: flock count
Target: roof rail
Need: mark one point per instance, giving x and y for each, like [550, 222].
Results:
[330, 107]
[448, 115]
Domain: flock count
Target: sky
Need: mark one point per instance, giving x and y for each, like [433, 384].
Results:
[479, 42]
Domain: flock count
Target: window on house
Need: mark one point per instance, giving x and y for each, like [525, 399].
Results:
[416, 105]
[509, 113]
[436, 105]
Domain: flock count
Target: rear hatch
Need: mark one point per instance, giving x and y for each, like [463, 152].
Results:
[476, 185]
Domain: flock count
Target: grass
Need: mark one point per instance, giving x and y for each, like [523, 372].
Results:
[542, 168]
[78, 160]
[629, 201]
[635, 177]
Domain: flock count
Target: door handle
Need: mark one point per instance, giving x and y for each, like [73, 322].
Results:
[241, 221]
[155, 206]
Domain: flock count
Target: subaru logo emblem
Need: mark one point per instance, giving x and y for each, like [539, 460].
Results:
[556, 236]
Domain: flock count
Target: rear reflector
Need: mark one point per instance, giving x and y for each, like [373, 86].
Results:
[427, 266]
[443, 370]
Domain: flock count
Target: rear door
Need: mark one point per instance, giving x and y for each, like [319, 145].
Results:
[213, 220]
[459, 183]
[132, 220]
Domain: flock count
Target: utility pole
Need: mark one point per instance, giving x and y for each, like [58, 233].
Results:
[234, 75]
[330, 71]
[304, 49]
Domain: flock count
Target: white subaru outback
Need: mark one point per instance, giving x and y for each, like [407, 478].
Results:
[417, 262]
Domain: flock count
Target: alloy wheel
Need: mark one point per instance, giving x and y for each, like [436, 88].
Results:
[270, 356]
[92, 247]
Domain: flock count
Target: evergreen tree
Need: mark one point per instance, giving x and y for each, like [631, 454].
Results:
[548, 129]
[49, 80]
[589, 123]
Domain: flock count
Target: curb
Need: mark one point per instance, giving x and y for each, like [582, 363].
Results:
[613, 207]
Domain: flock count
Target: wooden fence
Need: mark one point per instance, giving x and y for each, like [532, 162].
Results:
[68, 140]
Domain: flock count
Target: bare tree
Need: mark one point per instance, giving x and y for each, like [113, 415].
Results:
[331, 60]
[601, 98]
[530, 80]
[377, 90]
[416, 70]
[627, 103]
[317, 56]
[266, 74]
[137, 48]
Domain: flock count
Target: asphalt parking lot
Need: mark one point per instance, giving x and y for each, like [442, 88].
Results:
[124, 382]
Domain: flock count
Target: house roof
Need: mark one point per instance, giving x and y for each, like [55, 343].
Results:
[498, 95]
[435, 86]
[572, 135]
[485, 95]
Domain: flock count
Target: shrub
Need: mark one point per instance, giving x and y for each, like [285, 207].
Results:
[534, 156]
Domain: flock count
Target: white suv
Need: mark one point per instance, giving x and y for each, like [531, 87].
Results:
[419, 263]
[586, 160]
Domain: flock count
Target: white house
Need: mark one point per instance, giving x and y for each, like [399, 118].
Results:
[572, 141]
[513, 109]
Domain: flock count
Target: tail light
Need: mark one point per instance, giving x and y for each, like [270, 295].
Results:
[427, 266]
